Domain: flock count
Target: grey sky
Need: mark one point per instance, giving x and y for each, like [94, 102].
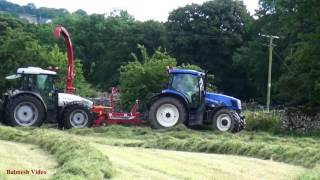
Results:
[140, 9]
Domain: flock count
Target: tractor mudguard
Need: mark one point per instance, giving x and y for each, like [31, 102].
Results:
[16, 93]
[170, 92]
[215, 100]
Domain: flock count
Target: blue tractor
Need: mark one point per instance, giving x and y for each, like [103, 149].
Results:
[187, 101]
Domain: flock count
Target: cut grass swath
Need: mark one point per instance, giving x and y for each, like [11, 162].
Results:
[77, 160]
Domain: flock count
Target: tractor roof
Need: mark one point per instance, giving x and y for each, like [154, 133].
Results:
[35, 70]
[185, 71]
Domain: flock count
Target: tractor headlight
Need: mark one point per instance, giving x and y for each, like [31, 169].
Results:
[239, 104]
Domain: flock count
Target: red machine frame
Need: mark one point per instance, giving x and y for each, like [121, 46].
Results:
[109, 116]
[105, 115]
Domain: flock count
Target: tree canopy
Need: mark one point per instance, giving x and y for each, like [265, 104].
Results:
[219, 36]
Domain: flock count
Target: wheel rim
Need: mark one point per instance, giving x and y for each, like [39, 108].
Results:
[26, 114]
[167, 115]
[224, 122]
[79, 118]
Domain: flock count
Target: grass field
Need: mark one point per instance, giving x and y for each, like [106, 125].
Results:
[141, 163]
[120, 152]
[292, 149]
[288, 148]
[19, 156]
[76, 159]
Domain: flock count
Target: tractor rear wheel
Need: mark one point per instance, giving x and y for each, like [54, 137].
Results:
[24, 110]
[77, 116]
[167, 112]
[227, 121]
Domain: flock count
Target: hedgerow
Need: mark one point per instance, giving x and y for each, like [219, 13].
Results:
[263, 121]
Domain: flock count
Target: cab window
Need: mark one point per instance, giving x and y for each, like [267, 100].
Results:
[188, 85]
[44, 82]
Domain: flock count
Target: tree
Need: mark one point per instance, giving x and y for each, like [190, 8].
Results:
[301, 85]
[207, 35]
[105, 43]
[55, 58]
[80, 12]
[19, 48]
[295, 23]
[139, 79]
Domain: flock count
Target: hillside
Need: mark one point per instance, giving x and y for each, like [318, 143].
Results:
[34, 15]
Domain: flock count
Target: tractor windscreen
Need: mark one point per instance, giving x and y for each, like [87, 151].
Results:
[189, 85]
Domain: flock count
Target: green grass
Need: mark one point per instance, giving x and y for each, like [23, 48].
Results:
[2, 176]
[77, 160]
[146, 163]
[295, 150]
[21, 156]
[264, 139]
[314, 174]
[263, 121]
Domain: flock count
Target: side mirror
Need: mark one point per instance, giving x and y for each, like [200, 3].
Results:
[168, 69]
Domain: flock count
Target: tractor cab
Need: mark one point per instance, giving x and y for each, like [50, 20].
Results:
[189, 83]
[34, 79]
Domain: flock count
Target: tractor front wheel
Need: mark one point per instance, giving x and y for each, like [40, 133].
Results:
[77, 116]
[227, 121]
[167, 112]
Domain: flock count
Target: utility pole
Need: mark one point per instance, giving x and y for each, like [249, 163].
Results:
[271, 45]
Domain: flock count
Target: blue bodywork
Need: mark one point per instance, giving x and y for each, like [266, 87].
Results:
[175, 93]
[212, 100]
[215, 100]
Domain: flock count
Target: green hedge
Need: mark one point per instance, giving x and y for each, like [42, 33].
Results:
[263, 121]
[77, 160]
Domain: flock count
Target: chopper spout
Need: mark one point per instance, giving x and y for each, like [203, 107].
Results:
[59, 30]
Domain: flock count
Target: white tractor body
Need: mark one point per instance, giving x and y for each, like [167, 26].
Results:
[65, 99]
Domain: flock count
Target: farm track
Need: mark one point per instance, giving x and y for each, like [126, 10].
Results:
[141, 163]
[20, 156]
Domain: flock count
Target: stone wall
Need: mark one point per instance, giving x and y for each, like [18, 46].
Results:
[301, 119]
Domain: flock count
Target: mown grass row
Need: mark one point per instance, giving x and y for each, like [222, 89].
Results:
[77, 160]
[2, 176]
[302, 151]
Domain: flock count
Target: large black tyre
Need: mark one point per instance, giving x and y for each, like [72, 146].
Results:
[167, 112]
[77, 116]
[24, 110]
[227, 121]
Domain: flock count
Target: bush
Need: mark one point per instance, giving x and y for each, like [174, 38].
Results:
[263, 121]
[139, 79]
